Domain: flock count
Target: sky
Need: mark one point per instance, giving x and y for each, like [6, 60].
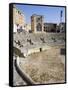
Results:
[51, 14]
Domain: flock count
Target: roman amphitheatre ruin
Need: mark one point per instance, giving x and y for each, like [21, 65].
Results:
[40, 56]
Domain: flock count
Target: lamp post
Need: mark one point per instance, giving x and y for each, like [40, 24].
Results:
[61, 20]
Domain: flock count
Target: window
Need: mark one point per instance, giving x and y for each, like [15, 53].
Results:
[38, 19]
[39, 27]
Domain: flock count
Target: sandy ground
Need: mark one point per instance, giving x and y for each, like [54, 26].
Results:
[45, 67]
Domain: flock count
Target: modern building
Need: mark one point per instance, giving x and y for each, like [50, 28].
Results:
[18, 19]
[37, 24]
[50, 27]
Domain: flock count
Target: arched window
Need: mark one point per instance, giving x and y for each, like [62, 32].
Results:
[39, 27]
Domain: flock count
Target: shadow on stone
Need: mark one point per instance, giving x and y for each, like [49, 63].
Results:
[17, 52]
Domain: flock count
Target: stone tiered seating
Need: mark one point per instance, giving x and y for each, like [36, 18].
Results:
[25, 40]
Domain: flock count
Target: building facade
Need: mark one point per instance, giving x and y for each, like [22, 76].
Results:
[37, 24]
[18, 19]
[50, 27]
[28, 27]
[62, 27]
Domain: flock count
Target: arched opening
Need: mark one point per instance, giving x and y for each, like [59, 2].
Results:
[40, 49]
[39, 27]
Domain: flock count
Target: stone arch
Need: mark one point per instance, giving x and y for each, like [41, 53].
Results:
[39, 27]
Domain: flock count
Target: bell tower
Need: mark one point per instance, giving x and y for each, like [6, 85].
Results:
[37, 23]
